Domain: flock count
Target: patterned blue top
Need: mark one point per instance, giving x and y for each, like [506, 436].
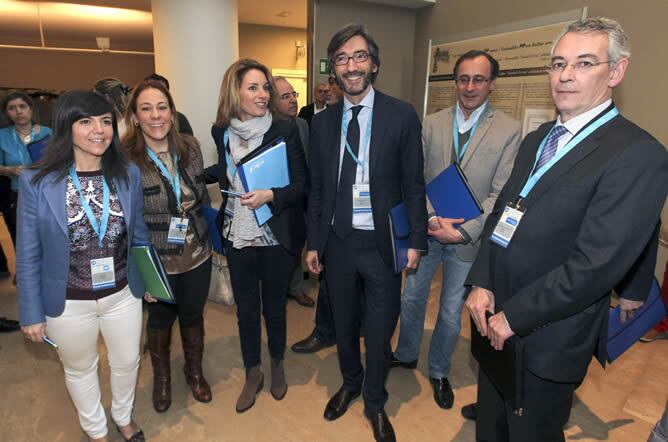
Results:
[14, 153]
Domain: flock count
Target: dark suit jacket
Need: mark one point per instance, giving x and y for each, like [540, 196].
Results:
[287, 222]
[396, 172]
[589, 220]
[307, 112]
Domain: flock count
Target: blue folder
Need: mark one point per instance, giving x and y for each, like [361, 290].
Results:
[216, 239]
[622, 336]
[36, 148]
[265, 168]
[400, 229]
[451, 195]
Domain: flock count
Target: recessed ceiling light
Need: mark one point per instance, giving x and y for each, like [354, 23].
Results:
[283, 14]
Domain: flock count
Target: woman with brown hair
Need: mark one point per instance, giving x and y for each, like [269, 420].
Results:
[258, 256]
[174, 193]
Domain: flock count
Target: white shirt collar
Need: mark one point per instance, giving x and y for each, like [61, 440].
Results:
[466, 125]
[366, 101]
[575, 124]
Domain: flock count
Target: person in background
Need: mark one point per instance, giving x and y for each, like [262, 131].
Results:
[80, 211]
[14, 157]
[319, 104]
[183, 124]
[660, 332]
[483, 141]
[174, 193]
[334, 94]
[286, 108]
[260, 258]
[117, 93]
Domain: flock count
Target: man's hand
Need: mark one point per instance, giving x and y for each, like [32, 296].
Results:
[256, 198]
[446, 232]
[413, 258]
[627, 308]
[35, 332]
[312, 262]
[478, 302]
[499, 330]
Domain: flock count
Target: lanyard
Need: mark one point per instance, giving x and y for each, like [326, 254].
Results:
[23, 150]
[174, 181]
[367, 140]
[533, 179]
[455, 136]
[100, 228]
[228, 158]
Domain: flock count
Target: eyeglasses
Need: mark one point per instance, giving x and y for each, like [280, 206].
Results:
[464, 80]
[358, 57]
[557, 67]
[289, 95]
[323, 91]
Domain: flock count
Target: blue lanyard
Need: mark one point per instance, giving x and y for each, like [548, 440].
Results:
[228, 158]
[367, 140]
[533, 179]
[455, 136]
[23, 150]
[174, 181]
[100, 228]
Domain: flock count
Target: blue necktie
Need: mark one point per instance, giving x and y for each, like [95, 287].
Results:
[343, 213]
[550, 146]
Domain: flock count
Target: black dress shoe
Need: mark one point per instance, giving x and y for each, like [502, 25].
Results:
[443, 394]
[8, 325]
[382, 428]
[311, 344]
[394, 362]
[339, 403]
[470, 411]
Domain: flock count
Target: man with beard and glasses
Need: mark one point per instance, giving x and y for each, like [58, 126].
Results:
[366, 157]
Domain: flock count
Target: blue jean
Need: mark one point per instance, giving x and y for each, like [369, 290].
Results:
[414, 304]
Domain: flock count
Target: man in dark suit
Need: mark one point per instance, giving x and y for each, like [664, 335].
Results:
[319, 103]
[577, 214]
[366, 158]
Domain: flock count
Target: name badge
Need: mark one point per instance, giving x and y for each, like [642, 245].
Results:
[361, 198]
[505, 228]
[102, 273]
[178, 228]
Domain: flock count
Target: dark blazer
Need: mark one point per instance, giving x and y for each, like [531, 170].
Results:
[396, 172]
[287, 222]
[43, 243]
[307, 112]
[588, 222]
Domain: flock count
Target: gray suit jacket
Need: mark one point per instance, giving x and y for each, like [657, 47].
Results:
[487, 162]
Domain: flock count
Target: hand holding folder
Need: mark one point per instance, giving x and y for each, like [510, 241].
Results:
[451, 195]
[153, 273]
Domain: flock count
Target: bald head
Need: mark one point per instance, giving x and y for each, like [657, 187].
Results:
[320, 94]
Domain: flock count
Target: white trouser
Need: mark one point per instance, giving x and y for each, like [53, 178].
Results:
[76, 331]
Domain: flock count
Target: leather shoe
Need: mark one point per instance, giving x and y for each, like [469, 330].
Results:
[8, 325]
[394, 362]
[470, 411]
[303, 300]
[382, 428]
[443, 394]
[339, 403]
[311, 344]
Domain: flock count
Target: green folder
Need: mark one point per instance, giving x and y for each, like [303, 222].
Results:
[153, 273]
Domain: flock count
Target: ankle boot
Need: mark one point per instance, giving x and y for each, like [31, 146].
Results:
[192, 339]
[158, 345]
[278, 385]
[253, 385]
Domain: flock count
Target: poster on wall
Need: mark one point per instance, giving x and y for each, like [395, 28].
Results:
[522, 90]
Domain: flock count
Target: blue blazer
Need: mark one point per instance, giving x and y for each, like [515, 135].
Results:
[43, 243]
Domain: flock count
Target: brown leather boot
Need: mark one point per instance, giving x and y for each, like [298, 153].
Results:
[193, 348]
[158, 346]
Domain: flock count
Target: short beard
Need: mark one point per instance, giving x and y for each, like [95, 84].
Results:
[365, 84]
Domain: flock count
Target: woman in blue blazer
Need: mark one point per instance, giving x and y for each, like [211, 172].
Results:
[80, 211]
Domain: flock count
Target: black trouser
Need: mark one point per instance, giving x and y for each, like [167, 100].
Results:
[191, 290]
[354, 267]
[545, 410]
[324, 323]
[251, 267]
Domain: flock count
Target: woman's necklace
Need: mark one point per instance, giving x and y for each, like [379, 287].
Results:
[25, 137]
